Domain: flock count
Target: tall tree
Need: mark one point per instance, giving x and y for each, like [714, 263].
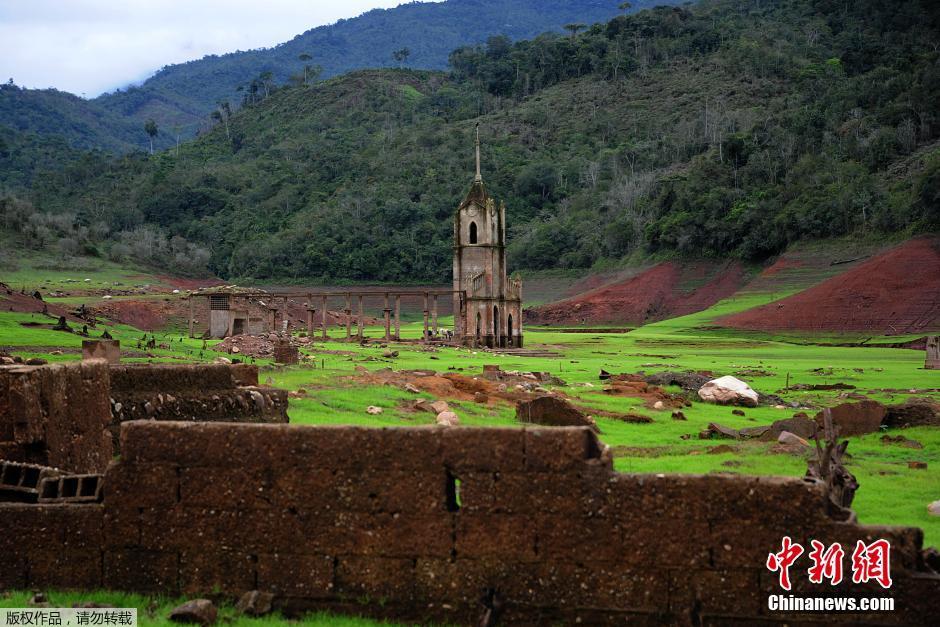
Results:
[151, 127]
[573, 28]
[303, 59]
[401, 55]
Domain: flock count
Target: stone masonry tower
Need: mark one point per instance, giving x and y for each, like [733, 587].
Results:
[487, 304]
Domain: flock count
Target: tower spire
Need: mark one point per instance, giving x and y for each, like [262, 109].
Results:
[479, 176]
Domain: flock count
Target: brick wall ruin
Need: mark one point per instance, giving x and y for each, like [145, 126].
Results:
[423, 523]
[68, 415]
[56, 415]
[206, 393]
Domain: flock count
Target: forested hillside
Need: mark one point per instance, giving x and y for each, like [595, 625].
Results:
[79, 123]
[183, 95]
[726, 129]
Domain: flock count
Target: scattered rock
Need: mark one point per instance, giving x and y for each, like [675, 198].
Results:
[36, 361]
[901, 440]
[222, 360]
[255, 603]
[423, 405]
[786, 437]
[731, 463]
[57, 353]
[200, 611]
[715, 429]
[688, 381]
[553, 411]
[728, 391]
[92, 605]
[720, 449]
[373, 410]
[659, 406]
[390, 354]
[412, 389]
[439, 407]
[917, 465]
[7, 361]
[678, 415]
[934, 508]
[856, 418]
[737, 412]
[634, 418]
[799, 425]
[448, 419]
[39, 600]
[480, 397]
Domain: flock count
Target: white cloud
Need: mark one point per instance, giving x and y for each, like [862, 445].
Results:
[91, 46]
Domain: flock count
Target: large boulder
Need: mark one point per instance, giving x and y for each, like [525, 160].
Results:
[856, 418]
[199, 611]
[800, 424]
[916, 412]
[447, 419]
[553, 411]
[728, 391]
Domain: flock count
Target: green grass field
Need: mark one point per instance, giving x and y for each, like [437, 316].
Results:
[890, 492]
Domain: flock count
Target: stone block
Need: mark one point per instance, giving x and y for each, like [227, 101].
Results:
[296, 575]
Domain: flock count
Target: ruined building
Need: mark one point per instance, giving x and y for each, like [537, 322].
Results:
[487, 303]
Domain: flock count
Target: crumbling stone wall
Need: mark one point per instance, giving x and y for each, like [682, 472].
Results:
[423, 523]
[69, 415]
[56, 415]
[204, 392]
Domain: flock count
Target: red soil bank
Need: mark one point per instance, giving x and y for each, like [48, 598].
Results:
[655, 294]
[894, 293]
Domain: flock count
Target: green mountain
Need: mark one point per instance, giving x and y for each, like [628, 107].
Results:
[80, 123]
[183, 95]
[722, 129]
[181, 98]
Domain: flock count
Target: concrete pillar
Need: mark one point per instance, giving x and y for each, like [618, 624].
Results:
[361, 320]
[434, 313]
[311, 312]
[273, 319]
[192, 307]
[397, 317]
[424, 337]
[348, 312]
[323, 313]
[388, 319]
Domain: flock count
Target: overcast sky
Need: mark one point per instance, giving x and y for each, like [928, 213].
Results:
[91, 46]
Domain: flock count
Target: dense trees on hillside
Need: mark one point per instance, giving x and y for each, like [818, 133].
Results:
[725, 128]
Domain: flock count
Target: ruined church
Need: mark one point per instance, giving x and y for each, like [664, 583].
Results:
[487, 303]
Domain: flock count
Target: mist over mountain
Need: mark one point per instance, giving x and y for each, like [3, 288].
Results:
[723, 129]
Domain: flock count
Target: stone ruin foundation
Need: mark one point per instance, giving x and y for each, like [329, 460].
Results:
[427, 523]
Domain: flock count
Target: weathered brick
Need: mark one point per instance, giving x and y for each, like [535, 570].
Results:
[725, 592]
[562, 448]
[507, 536]
[141, 571]
[475, 450]
[375, 578]
[53, 566]
[294, 575]
[129, 484]
[212, 570]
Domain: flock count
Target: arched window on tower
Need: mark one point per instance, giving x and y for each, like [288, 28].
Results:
[473, 232]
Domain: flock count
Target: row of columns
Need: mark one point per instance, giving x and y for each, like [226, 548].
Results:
[390, 332]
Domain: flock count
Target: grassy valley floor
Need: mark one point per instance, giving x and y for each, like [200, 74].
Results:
[330, 387]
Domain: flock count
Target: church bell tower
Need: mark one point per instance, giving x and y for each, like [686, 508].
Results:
[487, 304]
